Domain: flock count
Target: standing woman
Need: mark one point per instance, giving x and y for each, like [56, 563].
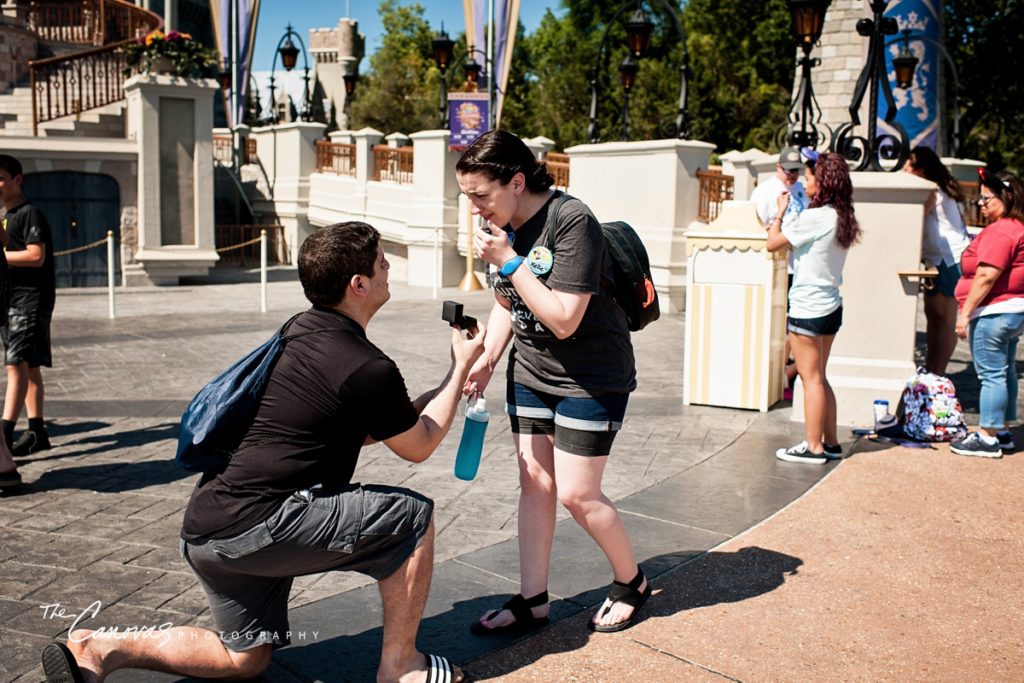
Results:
[570, 370]
[819, 241]
[991, 296]
[943, 241]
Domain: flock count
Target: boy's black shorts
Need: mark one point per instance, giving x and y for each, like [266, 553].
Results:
[26, 336]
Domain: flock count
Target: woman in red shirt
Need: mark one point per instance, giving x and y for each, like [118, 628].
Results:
[991, 298]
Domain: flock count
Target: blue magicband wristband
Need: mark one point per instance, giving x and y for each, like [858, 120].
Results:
[509, 267]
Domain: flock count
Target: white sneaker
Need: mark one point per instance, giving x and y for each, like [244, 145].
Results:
[800, 453]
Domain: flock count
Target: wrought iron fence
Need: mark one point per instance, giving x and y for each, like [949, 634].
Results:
[392, 164]
[335, 157]
[715, 188]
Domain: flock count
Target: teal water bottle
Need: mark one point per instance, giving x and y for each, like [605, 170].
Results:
[472, 444]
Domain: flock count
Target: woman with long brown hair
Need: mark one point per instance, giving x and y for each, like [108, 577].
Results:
[820, 239]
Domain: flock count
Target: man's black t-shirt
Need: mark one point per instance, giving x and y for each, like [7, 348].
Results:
[30, 287]
[327, 393]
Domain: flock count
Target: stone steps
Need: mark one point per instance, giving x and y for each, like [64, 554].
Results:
[16, 119]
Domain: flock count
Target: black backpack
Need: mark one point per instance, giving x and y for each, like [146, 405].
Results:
[632, 288]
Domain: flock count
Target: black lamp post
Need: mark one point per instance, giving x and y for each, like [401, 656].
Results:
[808, 18]
[444, 48]
[289, 57]
[866, 153]
[638, 36]
[905, 65]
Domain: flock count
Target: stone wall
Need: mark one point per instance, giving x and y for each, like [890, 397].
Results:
[842, 52]
[17, 46]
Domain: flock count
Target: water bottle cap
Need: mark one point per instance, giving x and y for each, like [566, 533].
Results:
[881, 401]
[481, 405]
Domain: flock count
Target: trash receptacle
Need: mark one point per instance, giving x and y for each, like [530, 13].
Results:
[735, 313]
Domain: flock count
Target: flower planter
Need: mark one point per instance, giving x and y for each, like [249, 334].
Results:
[163, 65]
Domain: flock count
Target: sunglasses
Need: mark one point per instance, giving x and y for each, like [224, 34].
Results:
[985, 199]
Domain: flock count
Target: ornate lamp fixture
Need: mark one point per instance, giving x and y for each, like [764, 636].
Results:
[802, 130]
[638, 35]
[904, 64]
[443, 47]
[867, 153]
[289, 57]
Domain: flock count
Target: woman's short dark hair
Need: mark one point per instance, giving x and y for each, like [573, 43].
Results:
[1008, 188]
[499, 155]
[928, 162]
[332, 256]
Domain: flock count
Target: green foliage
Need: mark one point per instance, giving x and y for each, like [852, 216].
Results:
[401, 90]
[187, 56]
[978, 37]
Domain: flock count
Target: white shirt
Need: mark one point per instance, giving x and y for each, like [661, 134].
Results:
[818, 263]
[945, 237]
[765, 198]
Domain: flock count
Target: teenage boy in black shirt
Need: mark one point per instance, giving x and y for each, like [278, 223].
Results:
[285, 505]
[9, 190]
[33, 289]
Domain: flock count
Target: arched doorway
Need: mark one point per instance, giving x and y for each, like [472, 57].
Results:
[81, 208]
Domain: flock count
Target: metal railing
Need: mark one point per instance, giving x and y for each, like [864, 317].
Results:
[71, 83]
[392, 164]
[715, 188]
[222, 150]
[558, 167]
[971, 208]
[336, 157]
[244, 246]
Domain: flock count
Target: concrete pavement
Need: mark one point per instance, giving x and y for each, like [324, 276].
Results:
[98, 518]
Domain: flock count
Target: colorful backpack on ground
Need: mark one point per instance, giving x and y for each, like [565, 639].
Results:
[929, 409]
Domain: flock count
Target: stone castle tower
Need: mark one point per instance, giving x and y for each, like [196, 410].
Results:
[336, 53]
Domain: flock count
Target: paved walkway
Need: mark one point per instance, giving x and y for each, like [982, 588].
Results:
[98, 518]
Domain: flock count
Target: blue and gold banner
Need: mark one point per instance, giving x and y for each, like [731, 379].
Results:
[918, 107]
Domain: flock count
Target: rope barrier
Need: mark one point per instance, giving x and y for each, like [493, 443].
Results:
[240, 245]
[75, 250]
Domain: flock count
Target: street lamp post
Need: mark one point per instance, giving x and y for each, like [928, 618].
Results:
[866, 152]
[289, 57]
[350, 79]
[905, 65]
[808, 19]
[638, 35]
[443, 47]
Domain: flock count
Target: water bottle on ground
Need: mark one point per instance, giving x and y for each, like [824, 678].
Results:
[472, 444]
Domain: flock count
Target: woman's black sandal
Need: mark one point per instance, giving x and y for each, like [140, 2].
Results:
[520, 608]
[628, 594]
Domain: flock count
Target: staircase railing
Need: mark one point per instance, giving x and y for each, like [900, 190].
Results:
[75, 82]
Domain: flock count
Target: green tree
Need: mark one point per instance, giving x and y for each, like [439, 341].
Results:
[400, 91]
[989, 70]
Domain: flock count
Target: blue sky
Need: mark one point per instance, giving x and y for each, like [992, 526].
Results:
[307, 14]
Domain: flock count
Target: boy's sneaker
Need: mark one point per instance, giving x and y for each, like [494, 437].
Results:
[973, 444]
[30, 442]
[1006, 442]
[800, 453]
[833, 452]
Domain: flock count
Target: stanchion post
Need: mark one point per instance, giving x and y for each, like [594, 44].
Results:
[469, 283]
[263, 270]
[437, 259]
[110, 272]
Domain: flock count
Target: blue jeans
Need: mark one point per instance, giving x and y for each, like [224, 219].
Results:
[994, 348]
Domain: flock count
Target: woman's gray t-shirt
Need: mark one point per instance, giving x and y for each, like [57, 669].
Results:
[598, 357]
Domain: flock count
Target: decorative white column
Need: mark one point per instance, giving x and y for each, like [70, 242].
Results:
[433, 230]
[740, 165]
[171, 120]
[873, 354]
[653, 186]
[365, 139]
[287, 154]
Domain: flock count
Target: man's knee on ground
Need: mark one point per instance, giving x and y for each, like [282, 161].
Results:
[251, 663]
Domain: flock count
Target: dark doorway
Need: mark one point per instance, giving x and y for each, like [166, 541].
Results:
[80, 207]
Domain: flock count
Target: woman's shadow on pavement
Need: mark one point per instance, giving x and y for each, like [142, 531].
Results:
[710, 579]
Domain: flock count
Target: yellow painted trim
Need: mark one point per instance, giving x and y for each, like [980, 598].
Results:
[748, 300]
[706, 365]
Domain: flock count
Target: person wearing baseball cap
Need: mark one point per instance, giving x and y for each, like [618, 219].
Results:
[765, 196]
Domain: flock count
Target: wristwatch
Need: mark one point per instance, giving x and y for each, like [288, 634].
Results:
[509, 267]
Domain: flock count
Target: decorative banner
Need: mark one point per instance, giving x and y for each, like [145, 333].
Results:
[918, 107]
[467, 116]
[248, 12]
[506, 20]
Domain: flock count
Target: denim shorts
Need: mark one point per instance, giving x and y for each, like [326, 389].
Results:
[825, 326]
[945, 281]
[581, 425]
[247, 578]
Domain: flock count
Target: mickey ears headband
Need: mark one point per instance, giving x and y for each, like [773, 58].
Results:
[809, 154]
[989, 179]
